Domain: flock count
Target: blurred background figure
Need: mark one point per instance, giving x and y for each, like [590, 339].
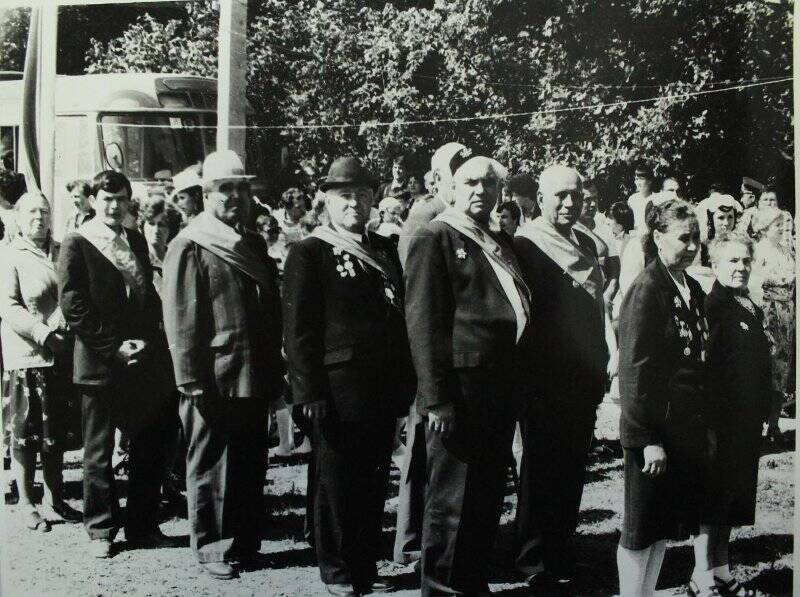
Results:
[44, 411]
[80, 192]
[416, 189]
[292, 206]
[188, 193]
[12, 186]
[643, 179]
[390, 218]
[398, 185]
[773, 285]
[159, 222]
[510, 214]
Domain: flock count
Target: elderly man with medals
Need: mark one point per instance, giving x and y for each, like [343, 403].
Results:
[567, 364]
[223, 322]
[351, 374]
[467, 309]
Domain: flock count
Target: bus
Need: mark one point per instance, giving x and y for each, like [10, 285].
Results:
[149, 126]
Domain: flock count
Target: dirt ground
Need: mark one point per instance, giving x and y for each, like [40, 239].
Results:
[57, 564]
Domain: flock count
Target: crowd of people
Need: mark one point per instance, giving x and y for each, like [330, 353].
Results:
[465, 310]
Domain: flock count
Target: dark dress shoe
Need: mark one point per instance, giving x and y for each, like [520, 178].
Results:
[254, 560]
[65, 512]
[220, 570]
[153, 540]
[341, 590]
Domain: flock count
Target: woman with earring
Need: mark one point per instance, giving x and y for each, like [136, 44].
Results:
[44, 411]
[666, 416]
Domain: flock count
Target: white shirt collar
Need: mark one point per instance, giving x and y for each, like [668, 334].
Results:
[359, 238]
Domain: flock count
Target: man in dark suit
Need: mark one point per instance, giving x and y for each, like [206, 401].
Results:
[467, 309]
[108, 299]
[567, 362]
[351, 374]
[223, 322]
[413, 472]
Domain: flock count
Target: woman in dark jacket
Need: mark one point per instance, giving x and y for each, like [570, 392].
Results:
[664, 428]
[740, 384]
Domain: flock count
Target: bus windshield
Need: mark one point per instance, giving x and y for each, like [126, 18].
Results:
[150, 146]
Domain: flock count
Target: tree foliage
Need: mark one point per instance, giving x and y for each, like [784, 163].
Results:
[317, 62]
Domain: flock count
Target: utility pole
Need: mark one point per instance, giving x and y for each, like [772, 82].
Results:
[232, 76]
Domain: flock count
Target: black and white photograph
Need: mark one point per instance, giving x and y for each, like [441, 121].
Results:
[411, 297]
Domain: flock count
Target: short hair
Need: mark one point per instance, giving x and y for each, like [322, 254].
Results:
[643, 168]
[12, 185]
[522, 184]
[622, 214]
[716, 246]
[660, 216]
[512, 208]
[85, 187]
[111, 181]
[289, 195]
[400, 159]
[716, 187]
[152, 207]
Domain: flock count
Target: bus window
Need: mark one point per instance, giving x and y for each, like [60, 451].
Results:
[149, 146]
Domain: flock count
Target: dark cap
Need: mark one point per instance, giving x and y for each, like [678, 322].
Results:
[347, 172]
[752, 185]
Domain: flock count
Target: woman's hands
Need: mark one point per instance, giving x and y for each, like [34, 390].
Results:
[655, 460]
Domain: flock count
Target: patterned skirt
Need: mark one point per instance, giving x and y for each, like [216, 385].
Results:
[41, 410]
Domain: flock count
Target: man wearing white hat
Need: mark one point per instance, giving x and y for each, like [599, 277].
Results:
[223, 323]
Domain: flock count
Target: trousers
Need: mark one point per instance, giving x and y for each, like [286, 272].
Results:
[351, 469]
[146, 461]
[556, 438]
[226, 466]
[411, 495]
[463, 502]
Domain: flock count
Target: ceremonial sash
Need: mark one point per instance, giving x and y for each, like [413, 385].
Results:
[368, 256]
[117, 250]
[491, 248]
[568, 255]
[226, 243]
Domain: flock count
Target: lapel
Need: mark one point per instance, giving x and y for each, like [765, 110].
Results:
[725, 297]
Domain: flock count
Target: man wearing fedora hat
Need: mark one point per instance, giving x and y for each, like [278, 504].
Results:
[350, 371]
[223, 323]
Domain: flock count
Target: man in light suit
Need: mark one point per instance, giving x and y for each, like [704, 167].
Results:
[467, 309]
[351, 374]
[413, 472]
[223, 323]
[567, 364]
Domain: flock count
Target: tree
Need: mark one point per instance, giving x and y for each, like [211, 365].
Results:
[315, 62]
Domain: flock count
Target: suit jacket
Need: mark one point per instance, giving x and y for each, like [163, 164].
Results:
[567, 355]
[96, 306]
[662, 350]
[461, 326]
[345, 342]
[739, 364]
[224, 330]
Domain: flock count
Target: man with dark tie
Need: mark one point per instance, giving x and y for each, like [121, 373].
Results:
[350, 372]
[467, 308]
[567, 361]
